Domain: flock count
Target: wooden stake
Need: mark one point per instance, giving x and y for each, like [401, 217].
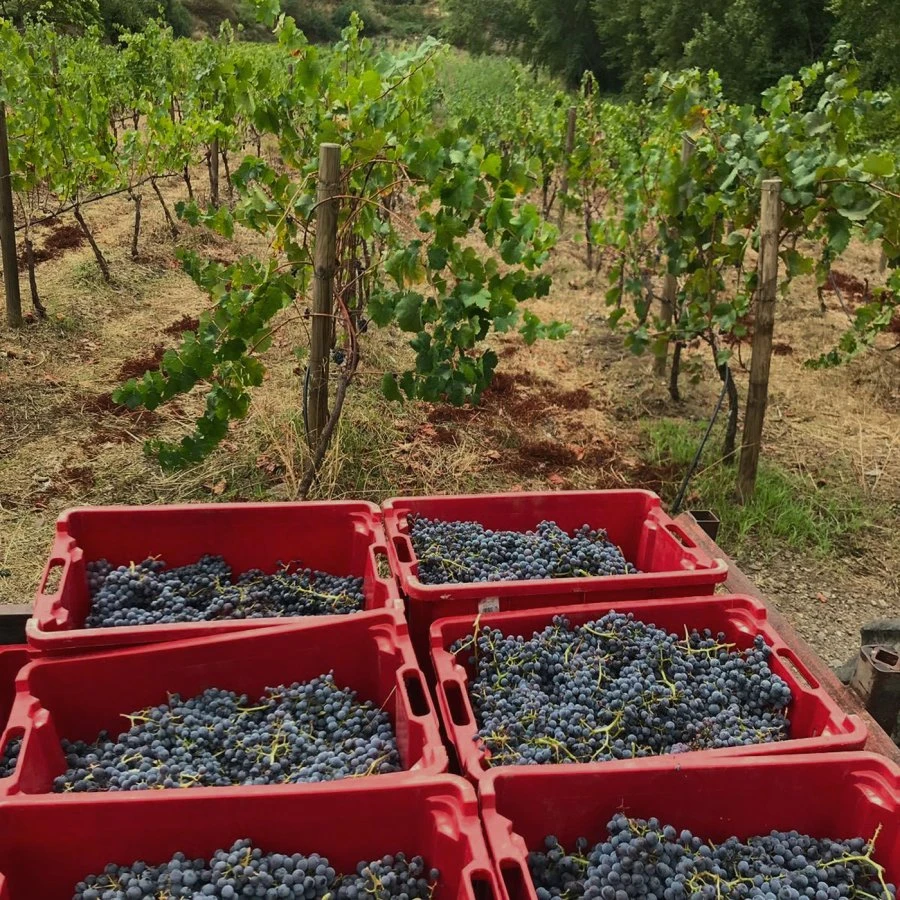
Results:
[136, 199]
[98, 253]
[214, 172]
[8, 232]
[173, 228]
[323, 291]
[758, 392]
[667, 308]
[228, 178]
[670, 288]
[39, 309]
[570, 147]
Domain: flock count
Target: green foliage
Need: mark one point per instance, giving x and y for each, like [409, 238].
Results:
[750, 43]
[114, 16]
[480, 27]
[518, 113]
[66, 14]
[871, 26]
[698, 219]
[418, 272]
[655, 216]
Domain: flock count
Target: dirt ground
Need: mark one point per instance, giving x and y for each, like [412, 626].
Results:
[560, 415]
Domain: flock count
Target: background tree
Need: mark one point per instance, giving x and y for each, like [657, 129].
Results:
[872, 27]
[750, 43]
[480, 27]
[66, 14]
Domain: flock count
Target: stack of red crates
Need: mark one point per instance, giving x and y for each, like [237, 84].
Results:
[71, 681]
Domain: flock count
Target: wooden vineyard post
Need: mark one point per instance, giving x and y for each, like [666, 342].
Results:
[758, 392]
[214, 172]
[667, 307]
[323, 290]
[570, 148]
[670, 288]
[8, 232]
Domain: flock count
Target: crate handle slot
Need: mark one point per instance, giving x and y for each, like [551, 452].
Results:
[680, 535]
[459, 710]
[53, 577]
[381, 562]
[403, 549]
[798, 670]
[482, 886]
[513, 880]
[416, 694]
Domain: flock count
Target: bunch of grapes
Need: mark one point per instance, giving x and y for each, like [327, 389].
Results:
[618, 688]
[150, 593]
[467, 552]
[246, 871]
[644, 859]
[310, 731]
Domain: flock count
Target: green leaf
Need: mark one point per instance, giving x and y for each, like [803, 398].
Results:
[530, 330]
[797, 263]
[492, 166]
[437, 258]
[881, 164]
[390, 388]
[409, 312]
[381, 310]
[267, 11]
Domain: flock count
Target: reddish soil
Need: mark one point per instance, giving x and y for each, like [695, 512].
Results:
[534, 457]
[102, 405]
[577, 399]
[505, 396]
[134, 368]
[185, 323]
[64, 237]
[849, 285]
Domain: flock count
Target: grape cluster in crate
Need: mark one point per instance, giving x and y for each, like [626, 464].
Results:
[150, 593]
[466, 552]
[643, 858]
[618, 688]
[244, 870]
[309, 732]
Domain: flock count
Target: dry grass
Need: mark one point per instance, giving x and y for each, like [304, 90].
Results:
[568, 414]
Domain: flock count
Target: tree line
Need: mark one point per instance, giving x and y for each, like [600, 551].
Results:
[750, 43]
[320, 20]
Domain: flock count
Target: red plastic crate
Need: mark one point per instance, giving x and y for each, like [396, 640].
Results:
[342, 538]
[12, 660]
[77, 697]
[817, 722]
[836, 795]
[348, 822]
[671, 564]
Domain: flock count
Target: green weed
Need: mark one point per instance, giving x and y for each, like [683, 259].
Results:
[820, 511]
